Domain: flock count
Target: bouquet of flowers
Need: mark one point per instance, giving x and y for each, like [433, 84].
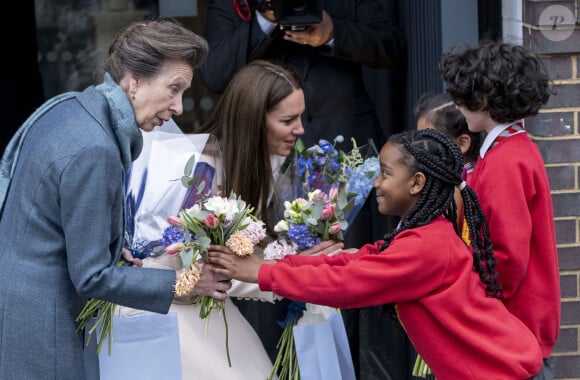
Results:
[324, 167]
[173, 171]
[307, 221]
[330, 187]
[215, 220]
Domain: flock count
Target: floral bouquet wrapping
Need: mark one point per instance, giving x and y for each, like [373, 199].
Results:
[173, 171]
[318, 217]
[323, 190]
[215, 220]
[324, 167]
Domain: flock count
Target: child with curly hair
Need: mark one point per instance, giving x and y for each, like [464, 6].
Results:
[496, 86]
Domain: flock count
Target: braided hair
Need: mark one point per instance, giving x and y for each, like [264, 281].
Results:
[438, 157]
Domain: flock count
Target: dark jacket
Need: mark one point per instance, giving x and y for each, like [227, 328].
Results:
[336, 100]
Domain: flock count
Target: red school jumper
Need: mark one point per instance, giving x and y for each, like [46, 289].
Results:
[428, 272]
[514, 193]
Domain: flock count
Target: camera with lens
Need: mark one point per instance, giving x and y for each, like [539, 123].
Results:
[294, 14]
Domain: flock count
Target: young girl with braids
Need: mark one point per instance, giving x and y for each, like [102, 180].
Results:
[447, 299]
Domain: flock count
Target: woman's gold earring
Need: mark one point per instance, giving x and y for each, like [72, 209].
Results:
[133, 97]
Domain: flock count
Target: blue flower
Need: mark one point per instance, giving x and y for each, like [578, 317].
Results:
[334, 165]
[300, 235]
[295, 311]
[326, 146]
[172, 235]
[304, 164]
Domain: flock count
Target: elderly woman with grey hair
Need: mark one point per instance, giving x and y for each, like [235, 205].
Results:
[62, 191]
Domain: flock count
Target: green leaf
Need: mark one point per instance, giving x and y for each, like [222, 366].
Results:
[317, 210]
[189, 166]
[187, 257]
[204, 242]
[311, 221]
[320, 229]
[342, 200]
[236, 223]
[185, 180]
[349, 206]
[299, 146]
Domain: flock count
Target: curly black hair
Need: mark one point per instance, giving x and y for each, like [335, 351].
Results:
[507, 80]
[436, 155]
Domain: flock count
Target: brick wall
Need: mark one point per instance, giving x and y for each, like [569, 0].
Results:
[556, 130]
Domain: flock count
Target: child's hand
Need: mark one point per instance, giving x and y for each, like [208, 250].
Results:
[329, 247]
[227, 263]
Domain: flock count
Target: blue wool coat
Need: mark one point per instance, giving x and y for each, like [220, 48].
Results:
[61, 233]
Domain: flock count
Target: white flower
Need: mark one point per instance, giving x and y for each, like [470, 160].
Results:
[194, 210]
[222, 206]
[246, 222]
[291, 214]
[281, 226]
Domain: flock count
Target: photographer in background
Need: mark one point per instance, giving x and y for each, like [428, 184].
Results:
[327, 43]
[328, 55]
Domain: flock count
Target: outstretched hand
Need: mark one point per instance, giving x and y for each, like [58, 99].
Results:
[227, 263]
[328, 247]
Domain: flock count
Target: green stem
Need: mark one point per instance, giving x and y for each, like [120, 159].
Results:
[227, 337]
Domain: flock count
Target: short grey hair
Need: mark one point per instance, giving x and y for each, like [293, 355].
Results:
[144, 46]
